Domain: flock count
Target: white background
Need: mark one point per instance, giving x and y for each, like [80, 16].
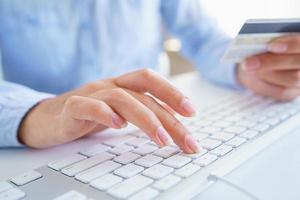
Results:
[231, 14]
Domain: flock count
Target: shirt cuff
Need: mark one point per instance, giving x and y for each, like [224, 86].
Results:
[12, 113]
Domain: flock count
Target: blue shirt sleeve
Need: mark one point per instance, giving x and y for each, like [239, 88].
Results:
[15, 102]
[202, 41]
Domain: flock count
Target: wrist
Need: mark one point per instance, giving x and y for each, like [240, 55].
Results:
[31, 132]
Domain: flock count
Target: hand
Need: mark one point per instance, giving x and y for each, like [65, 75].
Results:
[275, 73]
[111, 103]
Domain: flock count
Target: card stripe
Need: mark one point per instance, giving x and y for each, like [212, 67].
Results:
[250, 28]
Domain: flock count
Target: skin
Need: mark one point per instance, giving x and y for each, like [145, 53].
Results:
[152, 103]
[275, 73]
[112, 103]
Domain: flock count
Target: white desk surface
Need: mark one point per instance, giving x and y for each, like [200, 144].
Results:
[272, 174]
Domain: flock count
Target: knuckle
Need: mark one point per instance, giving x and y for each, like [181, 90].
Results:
[117, 93]
[72, 101]
[147, 73]
[176, 124]
[94, 86]
[97, 110]
[148, 100]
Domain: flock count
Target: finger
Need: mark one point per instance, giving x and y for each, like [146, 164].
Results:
[261, 87]
[272, 62]
[165, 106]
[286, 44]
[178, 132]
[85, 108]
[148, 81]
[135, 112]
[290, 79]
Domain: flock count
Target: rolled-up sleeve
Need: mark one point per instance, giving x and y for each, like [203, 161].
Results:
[15, 102]
[202, 41]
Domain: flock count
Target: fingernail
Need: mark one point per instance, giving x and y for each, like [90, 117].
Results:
[278, 47]
[252, 64]
[118, 121]
[163, 136]
[192, 143]
[188, 106]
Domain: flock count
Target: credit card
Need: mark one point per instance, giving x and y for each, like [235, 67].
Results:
[255, 35]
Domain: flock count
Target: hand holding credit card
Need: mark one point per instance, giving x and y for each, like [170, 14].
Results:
[267, 56]
[256, 34]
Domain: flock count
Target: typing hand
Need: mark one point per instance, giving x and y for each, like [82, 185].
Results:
[112, 103]
[276, 73]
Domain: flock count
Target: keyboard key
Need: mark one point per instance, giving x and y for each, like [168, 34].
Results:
[148, 160]
[166, 182]
[123, 148]
[105, 182]
[5, 186]
[210, 130]
[60, 164]
[26, 178]
[166, 152]
[257, 118]
[261, 127]
[221, 150]
[194, 155]
[222, 124]
[249, 134]
[137, 142]
[145, 194]
[205, 160]
[224, 137]
[192, 128]
[72, 195]
[213, 117]
[12, 194]
[127, 158]
[154, 144]
[200, 136]
[236, 142]
[176, 161]
[246, 123]
[283, 116]
[233, 118]
[158, 171]
[139, 133]
[235, 129]
[202, 123]
[130, 186]
[129, 170]
[272, 121]
[210, 143]
[187, 170]
[94, 150]
[145, 149]
[87, 163]
[116, 141]
[97, 171]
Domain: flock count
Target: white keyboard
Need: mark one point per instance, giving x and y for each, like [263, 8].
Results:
[132, 166]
